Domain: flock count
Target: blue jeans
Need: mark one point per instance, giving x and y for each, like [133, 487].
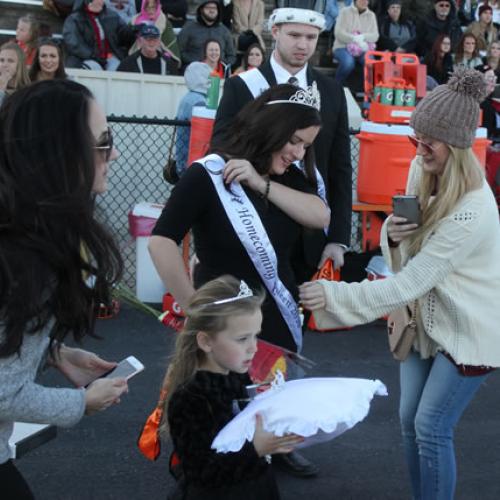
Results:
[346, 63]
[433, 397]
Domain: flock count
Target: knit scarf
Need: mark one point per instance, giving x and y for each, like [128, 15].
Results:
[100, 36]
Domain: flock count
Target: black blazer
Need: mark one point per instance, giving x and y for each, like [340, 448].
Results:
[332, 150]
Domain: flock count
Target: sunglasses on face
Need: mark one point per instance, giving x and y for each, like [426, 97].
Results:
[106, 146]
[428, 148]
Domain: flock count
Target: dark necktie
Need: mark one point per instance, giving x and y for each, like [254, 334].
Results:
[293, 81]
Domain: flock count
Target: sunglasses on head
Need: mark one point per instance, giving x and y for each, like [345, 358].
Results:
[106, 146]
[417, 142]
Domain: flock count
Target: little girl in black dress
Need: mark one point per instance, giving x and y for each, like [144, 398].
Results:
[206, 386]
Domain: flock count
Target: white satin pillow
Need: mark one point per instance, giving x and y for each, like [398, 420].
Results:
[319, 409]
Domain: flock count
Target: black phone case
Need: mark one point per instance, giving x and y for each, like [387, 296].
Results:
[408, 208]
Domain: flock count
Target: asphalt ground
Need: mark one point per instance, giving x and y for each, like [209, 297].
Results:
[98, 458]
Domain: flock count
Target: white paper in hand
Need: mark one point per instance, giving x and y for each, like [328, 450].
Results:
[319, 409]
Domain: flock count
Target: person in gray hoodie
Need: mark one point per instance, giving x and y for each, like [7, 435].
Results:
[207, 26]
[196, 78]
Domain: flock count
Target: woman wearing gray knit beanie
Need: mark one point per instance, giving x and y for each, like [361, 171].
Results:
[447, 271]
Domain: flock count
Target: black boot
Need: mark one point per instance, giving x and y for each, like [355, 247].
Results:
[295, 464]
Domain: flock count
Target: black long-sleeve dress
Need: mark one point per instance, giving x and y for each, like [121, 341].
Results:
[194, 203]
[197, 411]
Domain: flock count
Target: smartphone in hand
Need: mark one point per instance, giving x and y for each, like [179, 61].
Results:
[126, 369]
[407, 206]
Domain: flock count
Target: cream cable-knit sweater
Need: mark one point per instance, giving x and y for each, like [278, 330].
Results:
[351, 21]
[455, 277]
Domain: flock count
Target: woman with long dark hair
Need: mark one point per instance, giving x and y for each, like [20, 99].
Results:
[48, 62]
[439, 62]
[467, 53]
[54, 157]
[253, 58]
[247, 203]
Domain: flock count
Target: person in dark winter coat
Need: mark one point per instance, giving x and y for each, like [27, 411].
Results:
[96, 37]
[396, 34]
[442, 19]
[207, 26]
[176, 11]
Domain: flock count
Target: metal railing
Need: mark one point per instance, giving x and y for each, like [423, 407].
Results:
[136, 175]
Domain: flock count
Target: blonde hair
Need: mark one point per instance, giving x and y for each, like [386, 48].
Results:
[203, 315]
[462, 174]
[34, 29]
[21, 78]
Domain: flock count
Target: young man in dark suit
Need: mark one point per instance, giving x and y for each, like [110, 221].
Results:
[295, 32]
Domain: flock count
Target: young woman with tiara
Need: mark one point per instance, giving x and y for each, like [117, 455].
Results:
[247, 203]
[205, 383]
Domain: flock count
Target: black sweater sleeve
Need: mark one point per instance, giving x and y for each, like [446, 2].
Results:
[186, 204]
[194, 421]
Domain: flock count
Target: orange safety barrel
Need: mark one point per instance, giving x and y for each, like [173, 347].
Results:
[385, 155]
[202, 124]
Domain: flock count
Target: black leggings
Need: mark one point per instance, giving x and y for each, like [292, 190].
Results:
[13, 485]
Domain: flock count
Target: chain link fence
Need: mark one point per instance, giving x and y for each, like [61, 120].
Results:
[144, 145]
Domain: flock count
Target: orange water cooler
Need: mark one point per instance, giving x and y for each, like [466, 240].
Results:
[385, 155]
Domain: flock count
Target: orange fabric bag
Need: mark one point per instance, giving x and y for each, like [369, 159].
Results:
[149, 440]
[327, 272]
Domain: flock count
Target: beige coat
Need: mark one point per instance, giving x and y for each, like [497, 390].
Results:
[351, 21]
[254, 21]
[455, 278]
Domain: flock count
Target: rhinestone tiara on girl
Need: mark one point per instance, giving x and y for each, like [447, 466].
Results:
[306, 97]
[245, 292]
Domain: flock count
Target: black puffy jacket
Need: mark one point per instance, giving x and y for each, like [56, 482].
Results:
[80, 40]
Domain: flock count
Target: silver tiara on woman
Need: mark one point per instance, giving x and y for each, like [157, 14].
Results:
[309, 96]
[245, 292]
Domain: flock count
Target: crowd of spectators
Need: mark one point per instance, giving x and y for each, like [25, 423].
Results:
[228, 35]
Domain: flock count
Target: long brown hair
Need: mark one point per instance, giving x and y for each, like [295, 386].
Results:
[35, 67]
[459, 53]
[203, 315]
[434, 58]
[259, 129]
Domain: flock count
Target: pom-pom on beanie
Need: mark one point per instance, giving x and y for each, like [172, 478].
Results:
[450, 112]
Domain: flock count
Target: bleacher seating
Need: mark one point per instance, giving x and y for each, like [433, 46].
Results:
[12, 10]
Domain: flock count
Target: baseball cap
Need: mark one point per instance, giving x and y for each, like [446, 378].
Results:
[149, 31]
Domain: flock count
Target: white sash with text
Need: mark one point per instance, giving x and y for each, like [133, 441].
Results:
[253, 236]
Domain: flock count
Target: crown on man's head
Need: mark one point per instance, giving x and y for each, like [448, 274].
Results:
[309, 96]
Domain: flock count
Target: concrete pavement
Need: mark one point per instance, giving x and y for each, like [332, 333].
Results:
[98, 459]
